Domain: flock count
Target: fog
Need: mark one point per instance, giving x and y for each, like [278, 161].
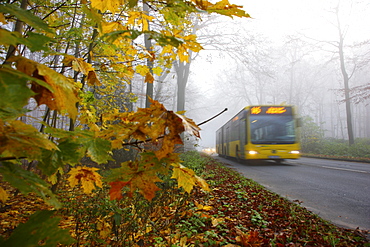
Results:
[288, 52]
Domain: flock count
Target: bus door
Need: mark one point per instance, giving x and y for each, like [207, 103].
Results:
[242, 137]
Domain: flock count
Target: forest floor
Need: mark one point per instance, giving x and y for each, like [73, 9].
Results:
[236, 212]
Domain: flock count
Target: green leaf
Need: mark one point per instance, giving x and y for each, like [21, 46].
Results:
[37, 42]
[28, 182]
[98, 150]
[34, 41]
[132, 3]
[164, 40]
[40, 228]
[25, 16]
[130, 34]
[68, 153]
[14, 93]
[10, 38]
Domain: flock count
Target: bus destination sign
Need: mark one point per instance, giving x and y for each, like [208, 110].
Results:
[268, 110]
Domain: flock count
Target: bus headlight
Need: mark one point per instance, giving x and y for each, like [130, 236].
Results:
[252, 152]
[294, 152]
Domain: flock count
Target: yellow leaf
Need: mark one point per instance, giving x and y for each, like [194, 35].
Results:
[142, 70]
[2, 18]
[53, 179]
[222, 7]
[202, 207]
[216, 221]
[78, 64]
[202, 183]
[183, 241]
[111, 5]
[185, 177]
[140, 18]
[157, 71]
[108, 27]
[103, 227]
[3, 195]
[87, 176]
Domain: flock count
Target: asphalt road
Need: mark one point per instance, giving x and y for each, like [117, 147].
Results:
[337, 191]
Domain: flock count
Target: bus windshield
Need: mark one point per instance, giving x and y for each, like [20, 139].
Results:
[272, 129]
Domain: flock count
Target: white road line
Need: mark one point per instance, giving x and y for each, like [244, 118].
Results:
[345, 169]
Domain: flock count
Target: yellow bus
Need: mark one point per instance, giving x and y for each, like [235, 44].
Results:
[260, 132]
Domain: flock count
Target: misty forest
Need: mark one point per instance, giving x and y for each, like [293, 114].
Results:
[322, 68]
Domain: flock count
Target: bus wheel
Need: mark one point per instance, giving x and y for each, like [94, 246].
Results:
[279, 161]
[237, 152]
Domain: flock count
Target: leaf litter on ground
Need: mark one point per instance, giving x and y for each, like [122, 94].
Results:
[236, 212]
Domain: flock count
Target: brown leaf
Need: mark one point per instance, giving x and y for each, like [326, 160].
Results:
[248, 240]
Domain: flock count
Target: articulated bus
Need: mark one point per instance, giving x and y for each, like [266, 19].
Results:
[266, 132]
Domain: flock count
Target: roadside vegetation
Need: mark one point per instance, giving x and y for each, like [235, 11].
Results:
[314, 144]
[235, 212]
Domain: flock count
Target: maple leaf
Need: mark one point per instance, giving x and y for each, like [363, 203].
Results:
[104, 5]
[23, 140]
[185, 177]
[157, 71]
[61, 93]
[140, 175]
[145, 182]
[87, 176]
[252, 239]
[141, 19]
[142, 70]
[115, 191]
[78, 64]
[189, 125]
[108, 27]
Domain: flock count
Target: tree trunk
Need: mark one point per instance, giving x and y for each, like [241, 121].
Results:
[149, 62]
[346, 84]
[182, 71]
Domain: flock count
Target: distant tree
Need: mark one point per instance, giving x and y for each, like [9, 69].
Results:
[311, 135]
[348, 65]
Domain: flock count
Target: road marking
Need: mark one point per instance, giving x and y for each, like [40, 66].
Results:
[344, 169]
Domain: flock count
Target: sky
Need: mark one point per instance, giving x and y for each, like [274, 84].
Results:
[275, 19]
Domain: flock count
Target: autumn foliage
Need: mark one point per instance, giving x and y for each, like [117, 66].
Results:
[67, 59]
